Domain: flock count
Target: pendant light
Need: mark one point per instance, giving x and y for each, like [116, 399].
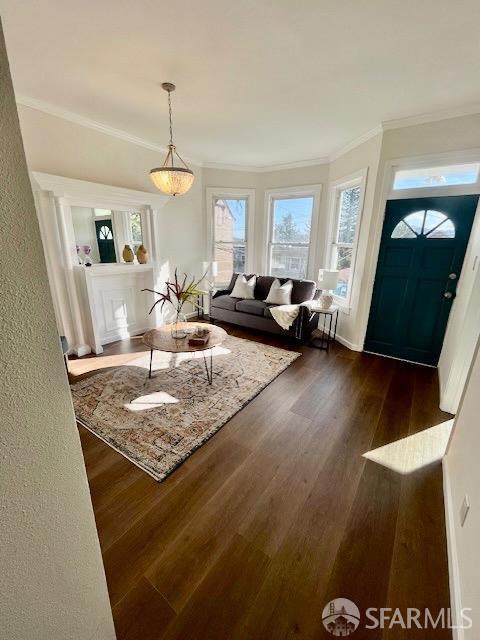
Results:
[170, 179]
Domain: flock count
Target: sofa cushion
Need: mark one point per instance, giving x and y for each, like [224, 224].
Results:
[303, 290]
[244, 287]
[280, 293]
[254, 307]
[225, 302]
[234, 277]
[267, 311]
[263, 286]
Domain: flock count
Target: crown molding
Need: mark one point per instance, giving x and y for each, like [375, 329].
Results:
[355, 143]
[433, 116]
[265, 168]
[70, 116]
[76, 118]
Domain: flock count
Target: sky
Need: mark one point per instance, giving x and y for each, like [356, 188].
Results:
[300, 208]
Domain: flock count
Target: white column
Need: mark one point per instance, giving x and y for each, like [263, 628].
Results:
[69, 258]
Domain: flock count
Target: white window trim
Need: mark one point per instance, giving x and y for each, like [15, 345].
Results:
[309, 190]
[213, 193]
[358, 179]
[436, 160]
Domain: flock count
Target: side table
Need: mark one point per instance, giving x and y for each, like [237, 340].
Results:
[323, 336]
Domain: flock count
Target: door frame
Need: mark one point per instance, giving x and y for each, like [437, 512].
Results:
[378, 215]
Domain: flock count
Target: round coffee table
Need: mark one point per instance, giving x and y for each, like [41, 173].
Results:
[161, 339]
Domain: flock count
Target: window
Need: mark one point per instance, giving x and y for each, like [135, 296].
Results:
[450, 175]
[105, 233]
[230, 231]
[425, 223]
[135, 229]
[347, 204]
[291, 216]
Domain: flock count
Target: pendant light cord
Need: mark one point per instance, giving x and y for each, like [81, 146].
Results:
[170, 116]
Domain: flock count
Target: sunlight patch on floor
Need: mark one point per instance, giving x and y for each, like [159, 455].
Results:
[414, 452]
[151, 401]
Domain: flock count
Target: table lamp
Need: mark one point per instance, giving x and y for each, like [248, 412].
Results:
[327, 282]
[210, 269]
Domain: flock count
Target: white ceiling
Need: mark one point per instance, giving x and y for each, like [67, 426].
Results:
[260, 82]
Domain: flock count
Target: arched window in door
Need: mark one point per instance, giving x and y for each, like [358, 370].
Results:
[105, 233]
[425, 223]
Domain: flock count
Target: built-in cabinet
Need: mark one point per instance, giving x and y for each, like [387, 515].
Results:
[112, 302]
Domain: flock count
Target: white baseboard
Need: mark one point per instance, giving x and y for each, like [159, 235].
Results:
[348, 344]
[453, 569]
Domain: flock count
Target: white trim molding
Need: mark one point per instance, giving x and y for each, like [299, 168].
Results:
[386, 193]
[309, 190]
[357, 179]
[453, 566]
[90, 123]
[212, 193]
[54, 198]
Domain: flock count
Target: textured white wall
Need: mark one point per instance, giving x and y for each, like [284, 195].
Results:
[463, 475]
[51, 575]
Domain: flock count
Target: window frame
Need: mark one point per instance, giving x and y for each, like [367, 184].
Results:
[306, 191]
[225, 193]
[358, 179]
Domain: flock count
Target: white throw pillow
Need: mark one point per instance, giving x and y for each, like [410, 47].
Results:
[280, 293]
[244, 288]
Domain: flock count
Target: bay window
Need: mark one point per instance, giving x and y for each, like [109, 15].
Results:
[291, 214]
[346, 210]
[230, 231]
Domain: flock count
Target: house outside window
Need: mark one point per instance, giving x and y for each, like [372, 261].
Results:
[291, 218]
[346, 210]
[230, 231]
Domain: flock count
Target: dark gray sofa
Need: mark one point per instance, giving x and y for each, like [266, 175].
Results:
[255, 314]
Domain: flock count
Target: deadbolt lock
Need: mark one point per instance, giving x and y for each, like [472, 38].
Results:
[448, 294]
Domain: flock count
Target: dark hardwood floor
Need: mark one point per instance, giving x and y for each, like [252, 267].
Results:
[279, 512]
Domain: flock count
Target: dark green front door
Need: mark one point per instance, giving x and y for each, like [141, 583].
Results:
[106, 244]
[421, 254]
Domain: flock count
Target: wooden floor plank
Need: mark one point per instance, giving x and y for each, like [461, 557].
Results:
[142, 614]
[280, 511]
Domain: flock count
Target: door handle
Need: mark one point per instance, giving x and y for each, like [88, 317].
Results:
[448, 295]
[452, 276]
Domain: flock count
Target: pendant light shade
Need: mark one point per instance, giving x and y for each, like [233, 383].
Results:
[172, 178]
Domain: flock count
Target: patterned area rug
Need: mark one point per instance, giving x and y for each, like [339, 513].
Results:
[157, 423]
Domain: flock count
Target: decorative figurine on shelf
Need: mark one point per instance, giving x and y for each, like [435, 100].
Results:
[87, 250]
[127, 253]
[80, 261]
[142, 255]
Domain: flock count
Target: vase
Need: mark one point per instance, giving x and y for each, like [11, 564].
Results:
[127, 253]
[178, 328]
[142, 255]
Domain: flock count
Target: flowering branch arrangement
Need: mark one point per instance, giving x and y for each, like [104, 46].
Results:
[178, 293]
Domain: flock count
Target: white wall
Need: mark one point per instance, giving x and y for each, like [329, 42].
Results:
[78, 152]
[51, 575]
[463, 328]
[462, 477]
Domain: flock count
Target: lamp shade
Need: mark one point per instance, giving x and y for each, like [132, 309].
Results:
[327, 280]
[174, 181]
